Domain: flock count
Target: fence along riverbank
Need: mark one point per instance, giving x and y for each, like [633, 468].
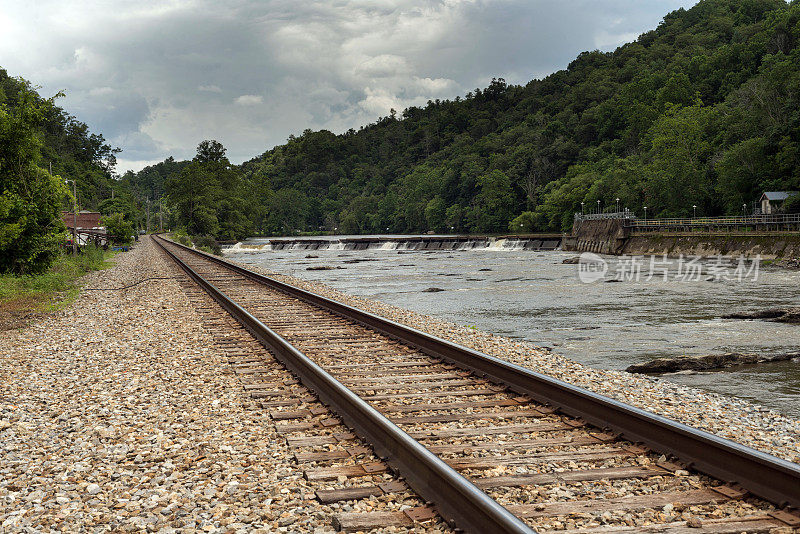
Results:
[770, 236]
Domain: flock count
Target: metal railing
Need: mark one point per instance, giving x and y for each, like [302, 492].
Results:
[625, 214]
[751, 220]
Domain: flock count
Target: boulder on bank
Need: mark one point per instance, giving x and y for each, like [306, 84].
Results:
[789, 263]
[780, 315]
[572, 261]
[791, 316]
[707, 362]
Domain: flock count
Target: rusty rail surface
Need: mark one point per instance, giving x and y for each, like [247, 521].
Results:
[764, 475]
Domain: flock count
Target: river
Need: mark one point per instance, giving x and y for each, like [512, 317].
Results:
[534, 296]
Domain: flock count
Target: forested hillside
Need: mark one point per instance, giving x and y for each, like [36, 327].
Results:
[702, 110]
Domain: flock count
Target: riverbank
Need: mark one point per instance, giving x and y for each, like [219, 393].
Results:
[732, 418]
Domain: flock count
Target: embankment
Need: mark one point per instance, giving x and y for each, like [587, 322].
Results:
[768, 246]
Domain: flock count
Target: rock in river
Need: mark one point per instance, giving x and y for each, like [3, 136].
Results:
[709, 361]
[779, 315]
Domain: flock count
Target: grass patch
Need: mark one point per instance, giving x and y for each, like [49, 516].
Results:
[25, 296]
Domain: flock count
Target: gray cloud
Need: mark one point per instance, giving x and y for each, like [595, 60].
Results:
[157, 78]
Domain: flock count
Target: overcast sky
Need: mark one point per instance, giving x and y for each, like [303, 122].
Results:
[156, 78]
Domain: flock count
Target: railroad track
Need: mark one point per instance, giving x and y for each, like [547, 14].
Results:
[486, 445]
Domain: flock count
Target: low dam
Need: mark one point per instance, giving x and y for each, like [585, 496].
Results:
[386, 242]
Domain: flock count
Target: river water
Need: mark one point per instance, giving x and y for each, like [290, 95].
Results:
[534, 296]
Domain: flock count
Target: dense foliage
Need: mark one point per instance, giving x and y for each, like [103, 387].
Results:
[31, 230]
[208, 195]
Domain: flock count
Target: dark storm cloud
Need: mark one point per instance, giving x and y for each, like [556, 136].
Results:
[156, 78]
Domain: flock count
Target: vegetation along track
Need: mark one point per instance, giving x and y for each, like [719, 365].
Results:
[492, 446]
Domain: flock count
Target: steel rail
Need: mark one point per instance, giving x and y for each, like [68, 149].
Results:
[456, 498]
[764, 475]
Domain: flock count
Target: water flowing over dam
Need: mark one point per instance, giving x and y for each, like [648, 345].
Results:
[421, 242]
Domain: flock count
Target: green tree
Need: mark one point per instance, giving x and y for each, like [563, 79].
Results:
[286, 212]
[524, 223]
[194, 194]
[677, 169]
[454, 217]
[208, 195]
[436, 213]
[494, 203]
[210, 151]
[118, 228]
[741, 171]
[31, 230]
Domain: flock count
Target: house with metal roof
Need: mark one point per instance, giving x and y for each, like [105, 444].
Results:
[772, 201]
[89, 227]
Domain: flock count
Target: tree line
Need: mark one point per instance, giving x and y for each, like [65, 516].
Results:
[41, 148]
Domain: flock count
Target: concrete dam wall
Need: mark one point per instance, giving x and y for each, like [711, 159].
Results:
[603, 236]
[612, 236]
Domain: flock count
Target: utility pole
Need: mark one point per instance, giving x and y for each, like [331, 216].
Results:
[148, 215]
[160, 214]
[74, 216]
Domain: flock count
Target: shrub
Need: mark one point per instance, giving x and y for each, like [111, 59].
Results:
[207, 244]
[183, 239]
[119, 230]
